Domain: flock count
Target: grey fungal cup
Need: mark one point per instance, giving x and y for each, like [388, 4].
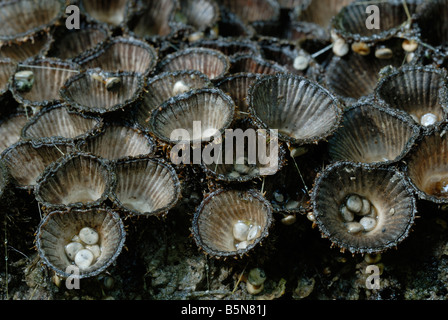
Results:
[59, 121]
[230, 223]
[350, 22]
[427, 167]
[419, 91]
[192, 117]
[166, 85]
[59, 231]
[145, 186]
[96, 92]
[23, 18]
[117, 141]
[125, 54]
[76, 180]
[300, 109]
[27, 160]
[363, 209]
[37, 46]
[372, 134]
[212, 63]
[75, 43]
[30, 85]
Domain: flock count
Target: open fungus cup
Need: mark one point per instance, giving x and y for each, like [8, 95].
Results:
[20, 19]
[372, 134]
[427, 168]
[93, 91]
[229, 223]
[122, 54]
[117, 141]
[58, 229]
[27, 160]
[361, 208]
[418, 91]
[30, 83]
[301, 110]
[211, 62]
[145, 186]
[77, 180]
[167, 85]
[192, 117]
[61, 122]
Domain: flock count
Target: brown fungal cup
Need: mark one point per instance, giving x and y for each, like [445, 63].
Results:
[390, 202]
[218, 215]
[58, 228]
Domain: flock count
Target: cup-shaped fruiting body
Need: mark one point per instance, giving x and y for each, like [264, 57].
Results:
[77, 180]
[199, 15]
[351, 25]
[117, 141]
[31, 84]
[166, 85]
[96, 92]
[237, 86]
[113, 12]
[75, 43]
[212, 63]
[61, 235]
[59, 121]
[24, 18]
[193, 117]
[355, 76]
[122, 54]
[229, 46]
[372, 134]
[419, 91]
[363, 209]
[7, 68]
[27, 160]
[239, 160]
[253, 11]
[254, 64]
[427, 167]
[152, 22]
[11, 128]
[145, 186]
[37, 46]
[229, 223]
[300, 109]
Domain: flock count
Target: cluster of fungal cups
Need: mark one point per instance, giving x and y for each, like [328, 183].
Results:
[259, 75]
[359, 214]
